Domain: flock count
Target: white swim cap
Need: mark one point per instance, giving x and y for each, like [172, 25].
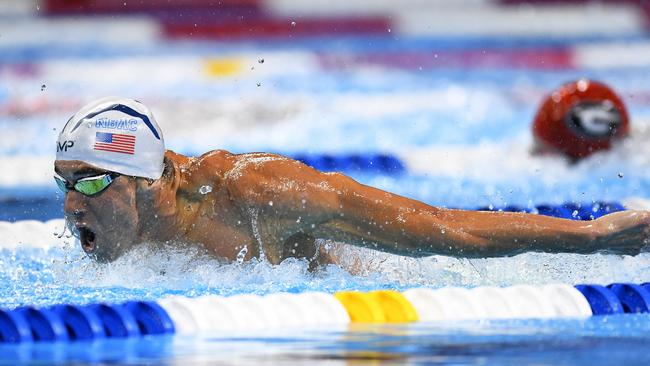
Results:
[117, 134]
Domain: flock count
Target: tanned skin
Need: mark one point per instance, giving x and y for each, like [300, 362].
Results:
[279, 205]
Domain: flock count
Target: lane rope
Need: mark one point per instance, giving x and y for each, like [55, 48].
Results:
[247, 312]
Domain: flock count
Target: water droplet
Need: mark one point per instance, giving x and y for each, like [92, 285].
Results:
[205, 189]
[574, 213]
[242, 254]
[582, 85]
[260, 61]
[43, 87]
[304, 201]
[293, 24]
[259, 84]
[270, 203]
[388, 30]
[298, 220]
[620, 175]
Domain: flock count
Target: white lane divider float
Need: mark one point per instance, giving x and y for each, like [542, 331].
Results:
[566, 300]
[528, 302]
[185, 314]
[493, 302]
[31, 234]
[252, 312]
[515, 302]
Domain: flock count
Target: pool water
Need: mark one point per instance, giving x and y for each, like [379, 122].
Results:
[461, 131]
[604, 340]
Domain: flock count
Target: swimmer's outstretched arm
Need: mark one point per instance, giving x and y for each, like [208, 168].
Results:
[295, 198]
[374, 218]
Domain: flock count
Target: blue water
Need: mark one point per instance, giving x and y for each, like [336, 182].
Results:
[363, 109]
[607, 340]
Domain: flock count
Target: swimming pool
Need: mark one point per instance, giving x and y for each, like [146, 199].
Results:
[461, 131]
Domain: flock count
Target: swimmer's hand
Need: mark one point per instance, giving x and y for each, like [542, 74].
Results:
[625, 232]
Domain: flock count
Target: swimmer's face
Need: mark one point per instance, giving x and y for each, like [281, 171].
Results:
[106, 223]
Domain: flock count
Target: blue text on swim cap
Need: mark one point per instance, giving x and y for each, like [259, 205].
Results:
[125, 124]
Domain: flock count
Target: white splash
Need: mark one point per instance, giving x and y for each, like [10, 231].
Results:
[205, 189]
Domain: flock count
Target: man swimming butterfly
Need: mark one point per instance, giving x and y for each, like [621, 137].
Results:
[122, 188]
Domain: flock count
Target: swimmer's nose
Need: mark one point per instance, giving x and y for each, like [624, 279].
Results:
[74, 205]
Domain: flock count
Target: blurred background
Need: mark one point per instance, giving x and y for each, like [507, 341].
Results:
[429, 99]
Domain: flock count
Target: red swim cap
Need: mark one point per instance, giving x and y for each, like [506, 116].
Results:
[579, 118]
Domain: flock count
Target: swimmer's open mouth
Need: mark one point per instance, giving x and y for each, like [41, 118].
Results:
[87, 238]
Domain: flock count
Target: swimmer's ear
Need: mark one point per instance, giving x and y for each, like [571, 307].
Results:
[167, 174]
[168, 170]
[158, 195]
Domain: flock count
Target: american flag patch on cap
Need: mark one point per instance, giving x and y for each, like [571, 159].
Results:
[115, 142]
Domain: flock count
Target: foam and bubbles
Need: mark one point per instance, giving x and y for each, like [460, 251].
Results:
[65, 275]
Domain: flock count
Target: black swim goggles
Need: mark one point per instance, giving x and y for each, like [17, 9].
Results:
[88, 186]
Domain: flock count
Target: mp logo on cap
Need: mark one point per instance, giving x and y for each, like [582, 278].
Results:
[64, 145]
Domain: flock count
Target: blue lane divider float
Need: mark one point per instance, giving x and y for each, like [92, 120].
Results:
[617, 298]
[117, 320]
[139, 318]
[602, 300]
[81, 321]
[371, 163]
[45, 324]
[150, 317]
[572, 211]
[634, 298]
[14, 327]
[86, 322]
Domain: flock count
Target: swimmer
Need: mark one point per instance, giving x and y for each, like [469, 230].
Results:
[123, 189]
[580, 118]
